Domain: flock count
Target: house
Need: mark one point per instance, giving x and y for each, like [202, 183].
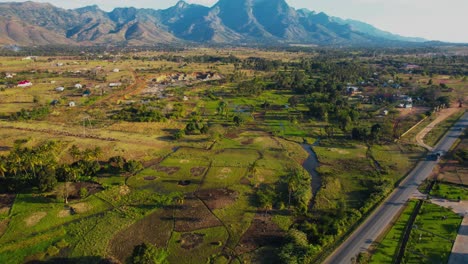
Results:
[55, 102]
[186, 98]
[385, 112]
[78, 86]
[9, 75]
[25, 83]
[408, 105]
[71, 104]
[115, 70]
[60, 89]
[118, 84]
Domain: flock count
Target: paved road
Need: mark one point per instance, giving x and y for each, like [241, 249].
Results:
[460, 250]
[368, 232]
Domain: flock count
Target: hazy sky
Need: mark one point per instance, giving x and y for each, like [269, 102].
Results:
[445, 20]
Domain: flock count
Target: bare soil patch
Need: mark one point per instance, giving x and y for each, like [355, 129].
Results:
[91, 187]
[156, 229]
[3, 226]
[190, 241]
[64, 213]
[193, 215]
[249, 141]
[80, 208]
[150, 178]
[197, 171]
[168, 170]
[152, 162]
[245, 181]
[217, 198]
[262, 232]
[6, 201]
[232, 134]
[35, 218]
[124, 190]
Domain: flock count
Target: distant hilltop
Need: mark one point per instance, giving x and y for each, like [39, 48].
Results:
[238, 22]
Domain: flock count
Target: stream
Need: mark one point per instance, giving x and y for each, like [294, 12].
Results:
[310, 165]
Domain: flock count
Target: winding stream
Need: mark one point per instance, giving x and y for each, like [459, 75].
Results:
[310, 165]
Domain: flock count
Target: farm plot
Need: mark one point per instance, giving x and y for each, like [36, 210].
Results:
[262, 232]
[155, 228]
[223, 177]
[201, 246]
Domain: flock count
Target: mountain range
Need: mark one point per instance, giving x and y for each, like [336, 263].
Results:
[227, 22]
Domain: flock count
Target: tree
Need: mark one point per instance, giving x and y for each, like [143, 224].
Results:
[133, 166]
[376, 131]
[46, 179]
[216, 131]
[117, 162]
[265, 197]
[359, 133]
[238, 120]
[75, 152]
[179, 134]
[222, 108]
[148, 254]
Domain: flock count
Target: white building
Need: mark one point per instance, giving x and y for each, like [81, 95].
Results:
[118, 84]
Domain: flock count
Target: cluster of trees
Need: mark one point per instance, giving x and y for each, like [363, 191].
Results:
[251, 87]
[26, 167]
[147, 253]
[362, 133]
[39, 167]
[261, 64]
[293, 190]
[33, 114]
[139, 113]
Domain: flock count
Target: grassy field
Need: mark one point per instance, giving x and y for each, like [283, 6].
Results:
[432, 239]
[386, 249]
[440, 129]
[450, 192]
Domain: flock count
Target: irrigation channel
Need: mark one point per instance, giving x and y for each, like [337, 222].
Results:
[310, 165]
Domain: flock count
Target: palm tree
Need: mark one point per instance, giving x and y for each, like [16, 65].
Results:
[74, 152]
[3, 166]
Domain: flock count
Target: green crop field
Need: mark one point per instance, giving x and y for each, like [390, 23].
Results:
[433, 235]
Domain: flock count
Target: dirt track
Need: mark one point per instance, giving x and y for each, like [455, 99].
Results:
[441, 116]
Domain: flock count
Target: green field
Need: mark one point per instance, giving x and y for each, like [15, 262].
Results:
[450, 192]
[432, 239]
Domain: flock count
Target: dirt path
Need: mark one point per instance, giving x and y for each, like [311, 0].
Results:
[441, 116]
[459, 253]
